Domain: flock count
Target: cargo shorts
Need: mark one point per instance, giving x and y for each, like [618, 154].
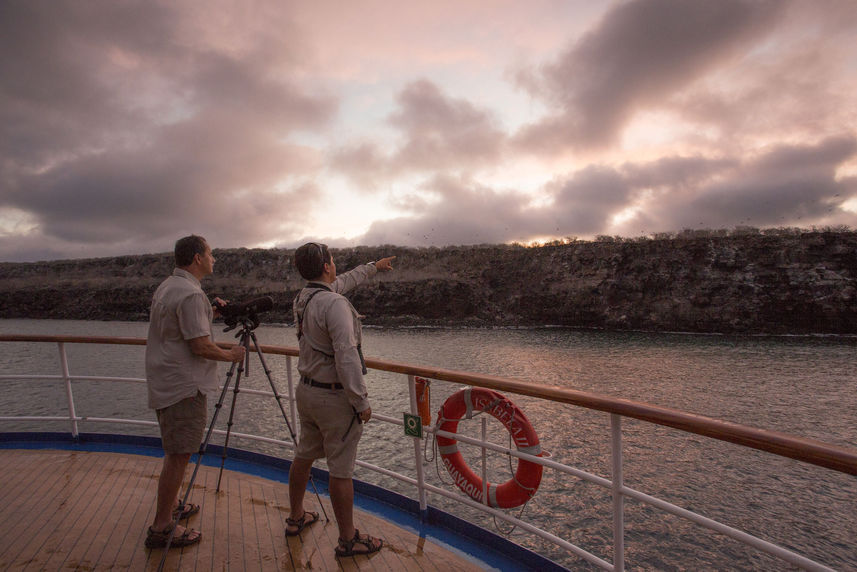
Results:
[182, 424]
[329, 429]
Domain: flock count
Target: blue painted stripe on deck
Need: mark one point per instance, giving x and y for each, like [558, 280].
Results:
[482, 546]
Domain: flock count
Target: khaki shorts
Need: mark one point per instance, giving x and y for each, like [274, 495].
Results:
[327, 430]
[182, 425]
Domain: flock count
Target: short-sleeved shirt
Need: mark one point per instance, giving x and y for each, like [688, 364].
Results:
[180, 312]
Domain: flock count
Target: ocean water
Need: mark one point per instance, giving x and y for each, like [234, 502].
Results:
[804, 386]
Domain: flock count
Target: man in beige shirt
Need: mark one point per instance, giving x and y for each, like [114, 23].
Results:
[181, 370]
[332, 398]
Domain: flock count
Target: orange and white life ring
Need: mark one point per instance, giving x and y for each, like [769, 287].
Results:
[517, 490]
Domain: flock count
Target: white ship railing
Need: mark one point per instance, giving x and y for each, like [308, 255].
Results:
[806, 450]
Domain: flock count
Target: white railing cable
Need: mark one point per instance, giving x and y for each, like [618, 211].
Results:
[71, 378]
[500, 515]
[741, 536]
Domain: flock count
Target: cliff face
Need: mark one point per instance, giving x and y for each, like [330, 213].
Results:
[761, 283]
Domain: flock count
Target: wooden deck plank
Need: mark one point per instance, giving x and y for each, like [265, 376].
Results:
[44, 533]
[324, 538]
[213, 537]
[80, 521]
[27, 493]
[138, 507]
[269, 527]
[112, 497]
[293, 554]
[16, 492]
[90, 511]
[243, 552]
[398, 557]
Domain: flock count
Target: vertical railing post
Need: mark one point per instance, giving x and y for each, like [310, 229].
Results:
[418, 460]
[484, 461]
[293, 408]
[67, 378]
[618, 497]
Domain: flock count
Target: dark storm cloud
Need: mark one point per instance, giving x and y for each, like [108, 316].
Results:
[117, 130]
[676, 173]
[584, 203]
[438, 133]
[642, 52]
[790, 184]
[60, 89]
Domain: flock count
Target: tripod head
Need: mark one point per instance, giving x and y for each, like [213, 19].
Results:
[248, 324]
[247, 314]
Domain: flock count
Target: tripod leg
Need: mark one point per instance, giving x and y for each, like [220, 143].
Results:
[228, 428]
[279, 399]
[244, 341]
[276, 393]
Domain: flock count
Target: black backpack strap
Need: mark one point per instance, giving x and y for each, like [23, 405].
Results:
[300, 315]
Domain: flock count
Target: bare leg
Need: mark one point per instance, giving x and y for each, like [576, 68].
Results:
[342, 498]
[298, 480]
[169, 483]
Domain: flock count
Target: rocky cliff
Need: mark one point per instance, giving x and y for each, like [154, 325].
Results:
[731, 282]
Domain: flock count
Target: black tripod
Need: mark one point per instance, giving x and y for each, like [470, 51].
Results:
[248, 323]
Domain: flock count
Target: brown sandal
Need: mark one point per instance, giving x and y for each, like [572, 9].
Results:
[185, 511]
[157, 539]
[301, 523]
[346, 547]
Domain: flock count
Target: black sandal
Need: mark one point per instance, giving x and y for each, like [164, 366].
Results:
[346, 547]
[158, 539]
[301, 523]
[185, 511]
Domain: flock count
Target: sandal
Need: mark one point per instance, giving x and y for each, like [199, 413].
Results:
[157, 539]
[301, 523]
[185, 511]
[346, 547]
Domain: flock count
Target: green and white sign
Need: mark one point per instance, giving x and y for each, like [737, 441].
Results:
[413, 426]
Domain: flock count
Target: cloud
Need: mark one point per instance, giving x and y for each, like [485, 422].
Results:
[784, 185]
[438, 133]
[443, 131]
[775, 188]
[126, 124]
[459, 211]
[450, 210]
[641, 53]
[98, 155]
[677, 173]
[793, 86]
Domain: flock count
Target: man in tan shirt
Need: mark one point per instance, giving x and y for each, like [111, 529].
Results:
[332, 398]
[181, 370]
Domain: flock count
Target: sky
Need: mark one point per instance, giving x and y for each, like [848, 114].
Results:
[127, 124]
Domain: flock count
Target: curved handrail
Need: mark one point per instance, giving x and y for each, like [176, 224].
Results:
[803, 449]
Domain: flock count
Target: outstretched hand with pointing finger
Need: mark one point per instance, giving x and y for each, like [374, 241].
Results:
[385, 264]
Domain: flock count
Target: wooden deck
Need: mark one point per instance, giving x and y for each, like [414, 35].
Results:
[69, 510]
